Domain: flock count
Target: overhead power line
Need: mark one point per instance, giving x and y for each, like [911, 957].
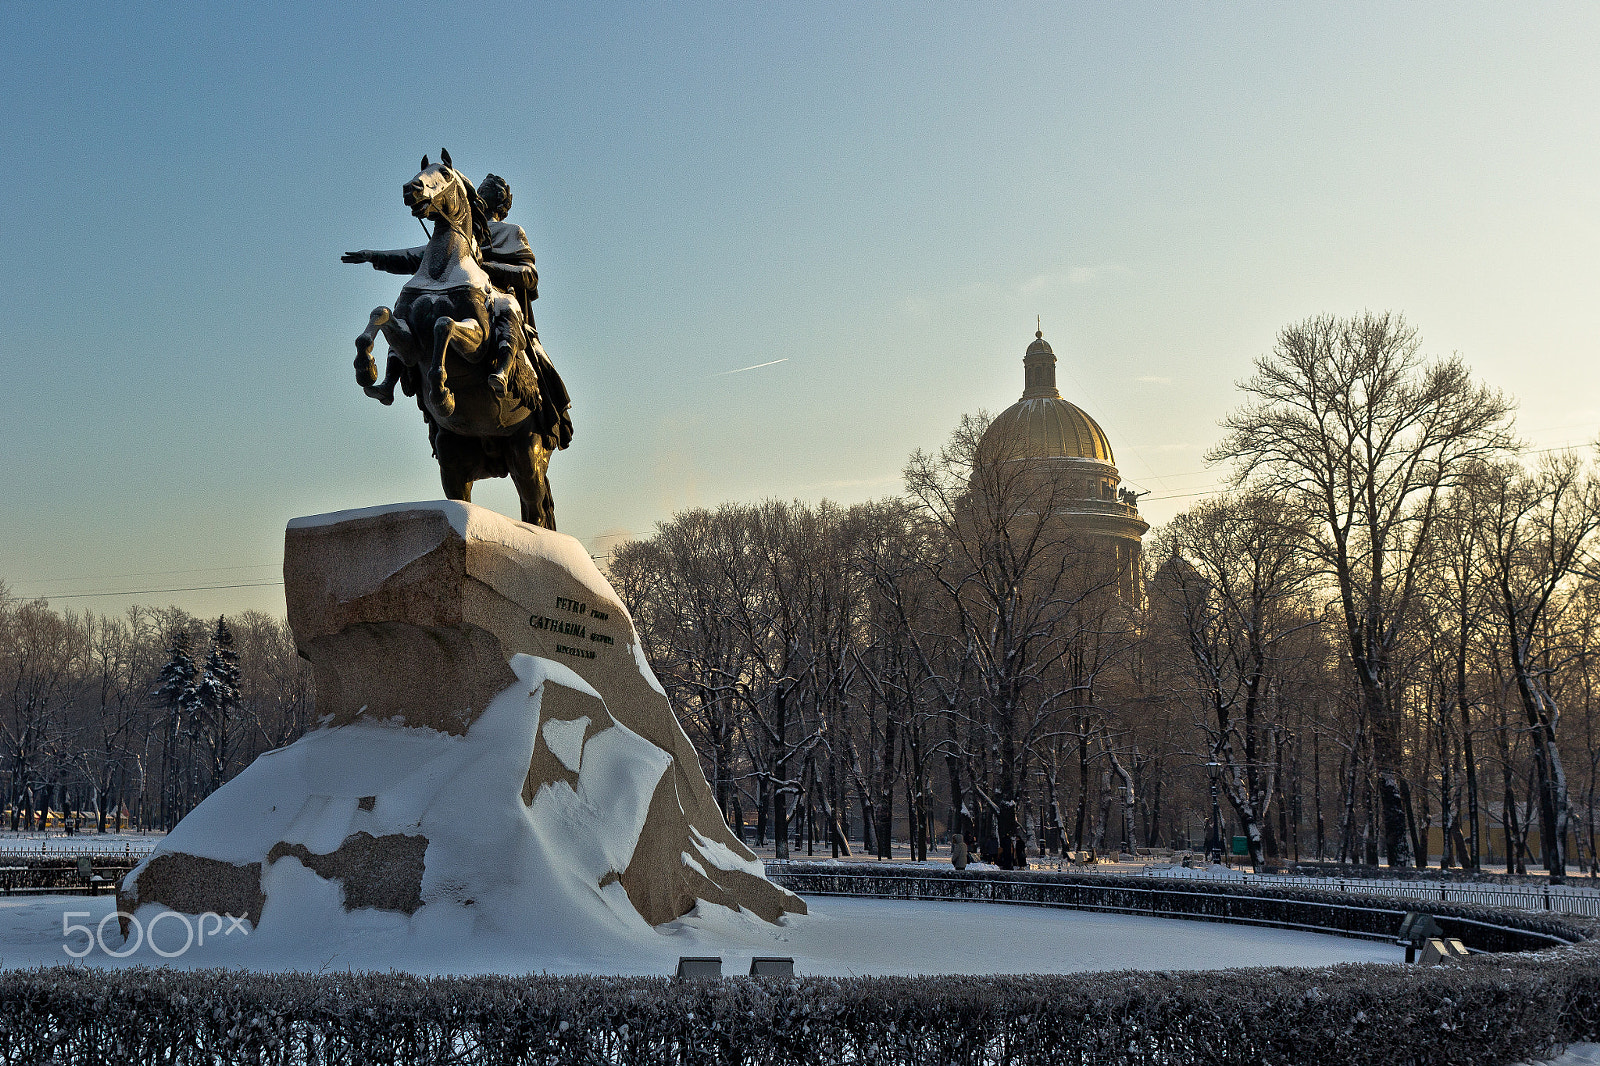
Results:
[149, 592]
[156, 573]
[1186, 495]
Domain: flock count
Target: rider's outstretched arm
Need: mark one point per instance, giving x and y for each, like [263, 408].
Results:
[395, 261]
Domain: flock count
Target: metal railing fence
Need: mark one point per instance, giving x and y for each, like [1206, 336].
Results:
[1558, 899]
[1156, 898]
[52, 849]
[1554, 899]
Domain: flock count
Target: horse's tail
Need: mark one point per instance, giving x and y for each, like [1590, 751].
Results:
[523, 386]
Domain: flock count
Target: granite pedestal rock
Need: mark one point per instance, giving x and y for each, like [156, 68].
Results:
[489, 727]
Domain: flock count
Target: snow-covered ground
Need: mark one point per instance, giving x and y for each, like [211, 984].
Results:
[841, 936]
[1577, 1055]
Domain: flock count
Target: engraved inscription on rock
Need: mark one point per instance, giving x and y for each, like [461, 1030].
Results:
[580, 630]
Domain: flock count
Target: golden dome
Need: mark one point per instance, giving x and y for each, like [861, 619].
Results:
[1045, 429]
[1042, 425]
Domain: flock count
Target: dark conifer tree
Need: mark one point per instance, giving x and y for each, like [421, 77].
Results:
[175, 685]
[176, 688]
[217, 700]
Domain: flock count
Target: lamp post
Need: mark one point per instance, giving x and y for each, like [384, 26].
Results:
[1291, 816]
[1122, 796]
[1214, 837]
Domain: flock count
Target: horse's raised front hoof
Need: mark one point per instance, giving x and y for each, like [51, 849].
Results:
[384, 394]
[439, 397]
[366, 367]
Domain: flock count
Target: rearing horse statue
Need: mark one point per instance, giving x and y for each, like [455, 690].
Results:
[459, 345]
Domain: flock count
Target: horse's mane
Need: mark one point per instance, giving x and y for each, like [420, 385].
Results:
[480, 211]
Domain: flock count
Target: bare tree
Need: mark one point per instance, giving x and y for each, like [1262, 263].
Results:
[1350, 425]
[1583, 701]
[118, 660]
[901, 641]
[1235, 574]
[1537, 532]
[1033, 604]
[1455, 624]
[677, 587]
[277, 695]
[774, 571]
[37, 652]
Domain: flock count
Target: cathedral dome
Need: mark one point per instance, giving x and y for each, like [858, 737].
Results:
[1042, 456]
[1042, 425]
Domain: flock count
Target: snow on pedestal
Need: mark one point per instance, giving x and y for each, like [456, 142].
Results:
[492, 750]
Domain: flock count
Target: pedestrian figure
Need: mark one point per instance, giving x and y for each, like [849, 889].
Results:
[991, 843]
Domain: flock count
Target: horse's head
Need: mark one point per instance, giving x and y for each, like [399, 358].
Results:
[442, 192]
[439, 191]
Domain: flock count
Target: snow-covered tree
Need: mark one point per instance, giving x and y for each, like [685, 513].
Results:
[176, 690]
[217, 702]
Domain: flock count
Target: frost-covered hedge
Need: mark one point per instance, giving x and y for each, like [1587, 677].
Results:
[1485, 1010]
[1488, 1009]
[1361, 915]
[20, 872]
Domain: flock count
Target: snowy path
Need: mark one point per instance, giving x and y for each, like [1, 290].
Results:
[841, 936]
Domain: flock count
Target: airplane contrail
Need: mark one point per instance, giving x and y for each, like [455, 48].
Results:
[742, 369]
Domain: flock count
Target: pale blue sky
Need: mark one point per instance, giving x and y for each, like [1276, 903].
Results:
[880, 196]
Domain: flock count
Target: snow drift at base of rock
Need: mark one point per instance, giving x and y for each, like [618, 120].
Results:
[410, 831]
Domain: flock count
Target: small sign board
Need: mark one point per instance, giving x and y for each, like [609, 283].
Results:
[771, 966]
[1441, 949]
[1241, 845]
[84, 868]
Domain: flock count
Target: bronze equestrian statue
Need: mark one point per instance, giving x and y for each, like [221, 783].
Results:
[462, 341]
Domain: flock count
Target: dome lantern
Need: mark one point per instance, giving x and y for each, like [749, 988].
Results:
[1039, 370]
[1043, 425]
